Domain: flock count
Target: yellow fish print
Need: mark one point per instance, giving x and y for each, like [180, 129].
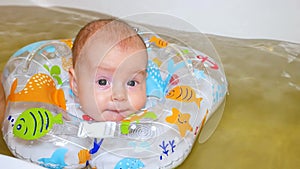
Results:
[157, 61]
[159, 42]
[182, 120]
[66, 63]
[184, 94]
[39, 88]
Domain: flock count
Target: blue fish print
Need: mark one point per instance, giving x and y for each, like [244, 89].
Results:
[156, 86]
[129, 163]
[56, 161]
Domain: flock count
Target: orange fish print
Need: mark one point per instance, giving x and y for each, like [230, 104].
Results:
[39, 88]
[182, 120]
[68, 42]
[159, 42]
[84, 156]
[184, 94]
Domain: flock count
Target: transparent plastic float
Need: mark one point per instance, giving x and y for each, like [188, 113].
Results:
[186, 91]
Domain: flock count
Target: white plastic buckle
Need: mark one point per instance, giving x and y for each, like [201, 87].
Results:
[96, 129]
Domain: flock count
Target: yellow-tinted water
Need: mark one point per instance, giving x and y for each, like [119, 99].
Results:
[260, 127]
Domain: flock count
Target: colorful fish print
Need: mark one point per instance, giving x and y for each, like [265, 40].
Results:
[39, 88]
[182, 120]
[84, 155]
[54, 72]
[156, 86]
[159, 42]
[132, 163]
[68, 42]
[56, 161]
[157, 61]
[66, 63]
[35, 123]
[184, 94]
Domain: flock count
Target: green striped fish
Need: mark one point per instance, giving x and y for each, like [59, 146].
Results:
[34, 123]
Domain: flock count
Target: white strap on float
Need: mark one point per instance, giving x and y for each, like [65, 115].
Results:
[96, 129]
[140, 131]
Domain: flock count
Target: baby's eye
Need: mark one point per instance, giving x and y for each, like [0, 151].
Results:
[132, 83]
[102, 82]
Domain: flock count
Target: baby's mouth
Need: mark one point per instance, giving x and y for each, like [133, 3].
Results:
[116, 115]
[119, 111]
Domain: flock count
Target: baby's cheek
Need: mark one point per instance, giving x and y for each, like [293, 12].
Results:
[91, 104]
[139, 101]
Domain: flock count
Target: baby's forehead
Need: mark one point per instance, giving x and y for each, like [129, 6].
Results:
[113, 39]
[100, 46]
[97, 53]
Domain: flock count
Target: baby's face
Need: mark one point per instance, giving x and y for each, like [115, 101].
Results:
[112, 86]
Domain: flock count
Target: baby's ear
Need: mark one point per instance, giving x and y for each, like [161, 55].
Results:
[73, 81]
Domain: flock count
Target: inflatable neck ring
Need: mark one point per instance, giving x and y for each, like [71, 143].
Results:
[44, 123]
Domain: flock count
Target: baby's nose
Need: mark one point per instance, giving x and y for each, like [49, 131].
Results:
[119, 93]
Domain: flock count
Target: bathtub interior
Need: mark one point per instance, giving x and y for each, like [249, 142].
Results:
[254, 113]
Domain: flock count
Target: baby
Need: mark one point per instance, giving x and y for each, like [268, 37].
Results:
[109, 70]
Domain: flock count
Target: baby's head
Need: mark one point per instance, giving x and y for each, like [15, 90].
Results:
[109, 70]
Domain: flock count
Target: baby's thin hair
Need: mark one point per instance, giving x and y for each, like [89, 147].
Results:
[114, 30]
